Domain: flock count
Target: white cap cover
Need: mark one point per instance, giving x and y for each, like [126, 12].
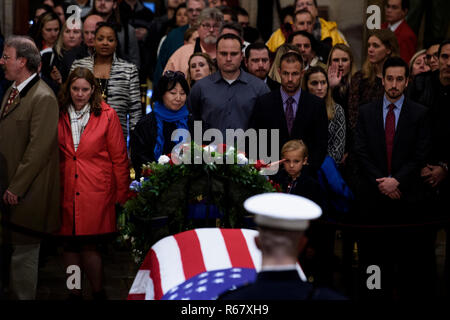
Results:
[282, 211]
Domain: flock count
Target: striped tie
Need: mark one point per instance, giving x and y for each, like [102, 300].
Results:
[12, 96]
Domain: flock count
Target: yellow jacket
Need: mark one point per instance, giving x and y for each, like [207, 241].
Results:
[328, 29]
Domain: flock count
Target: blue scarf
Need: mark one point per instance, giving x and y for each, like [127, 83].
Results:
[179, 117]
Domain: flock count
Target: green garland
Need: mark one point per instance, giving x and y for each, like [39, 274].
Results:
[158, 203]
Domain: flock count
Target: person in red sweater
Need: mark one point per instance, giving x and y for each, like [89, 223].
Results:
[395, 12]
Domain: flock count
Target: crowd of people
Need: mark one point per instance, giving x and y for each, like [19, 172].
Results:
[72, 100]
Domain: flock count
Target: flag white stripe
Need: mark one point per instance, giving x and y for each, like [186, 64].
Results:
[254, 251]
[214, 250]
[170, 264]
[140, 282]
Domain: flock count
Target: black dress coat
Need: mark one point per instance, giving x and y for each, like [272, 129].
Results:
[310, 124]
[280, 285]
[143, 141]
[410, 151]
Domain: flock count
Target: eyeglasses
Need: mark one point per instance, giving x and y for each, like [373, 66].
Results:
[207, 26]
[194, 10]
[5, 57]
[173, 74]
[430, 56]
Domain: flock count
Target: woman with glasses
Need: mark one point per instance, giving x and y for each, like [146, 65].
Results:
[432, 56]
[118, 79]
[153, 134]
[94, 175]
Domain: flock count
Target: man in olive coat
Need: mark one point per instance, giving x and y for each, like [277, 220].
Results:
[29, 165]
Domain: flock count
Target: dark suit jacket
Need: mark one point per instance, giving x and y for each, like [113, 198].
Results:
[280, 285]
[411, 147]
[310, 124]
[272, 84]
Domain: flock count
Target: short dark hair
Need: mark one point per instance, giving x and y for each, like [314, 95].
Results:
[291, 57]
[228, 36]
[240, 11]
[312, 40]
[443, 43]
[395, 62]
[256, 46]
[287, 11]
[295, 3]
[302, 11]
[405, 4]
[227, 10]
[233, 26]
[168, 82]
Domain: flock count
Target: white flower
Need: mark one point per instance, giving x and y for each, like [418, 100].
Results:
[241, 159]
[163, 159]
[210, 148]
[126, 237]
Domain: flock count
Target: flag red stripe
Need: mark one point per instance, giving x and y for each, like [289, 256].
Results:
[155, 275]
[136, 296]
[237, 248]
[191, 253]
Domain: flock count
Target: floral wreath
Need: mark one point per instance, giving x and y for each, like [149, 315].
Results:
[158, 203]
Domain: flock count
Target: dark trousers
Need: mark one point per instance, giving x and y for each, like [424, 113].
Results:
[406, 260]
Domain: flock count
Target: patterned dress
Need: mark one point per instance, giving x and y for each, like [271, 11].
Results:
[336, 134]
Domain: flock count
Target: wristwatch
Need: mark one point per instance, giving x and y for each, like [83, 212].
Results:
[443, 165]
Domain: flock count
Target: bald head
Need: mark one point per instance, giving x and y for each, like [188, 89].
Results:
[89, 26]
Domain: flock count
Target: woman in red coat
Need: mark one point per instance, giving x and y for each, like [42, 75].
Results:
[94, 174]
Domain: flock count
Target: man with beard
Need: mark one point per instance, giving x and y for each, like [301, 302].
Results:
[295, 113]
[392, 143]
[210, 22]
[257, 61]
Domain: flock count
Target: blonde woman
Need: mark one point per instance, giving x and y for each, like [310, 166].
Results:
[56, 63]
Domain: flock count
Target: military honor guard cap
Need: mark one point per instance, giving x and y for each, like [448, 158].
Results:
[282, 211]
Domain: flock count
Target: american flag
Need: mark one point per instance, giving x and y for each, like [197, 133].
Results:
[176, 259]
[210, 284]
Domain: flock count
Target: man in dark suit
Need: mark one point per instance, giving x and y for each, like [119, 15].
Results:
[29, 165]
[295, 113]
[257, 62]
[392, 143]
[280, 239]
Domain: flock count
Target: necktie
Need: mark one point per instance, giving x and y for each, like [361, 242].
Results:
[389, 132]
[289, 113]
[12, 96]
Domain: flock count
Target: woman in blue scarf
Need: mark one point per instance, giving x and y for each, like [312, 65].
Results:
[152, 136]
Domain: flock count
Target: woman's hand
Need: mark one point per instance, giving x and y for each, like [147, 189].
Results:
[56, 75]
[334, 76]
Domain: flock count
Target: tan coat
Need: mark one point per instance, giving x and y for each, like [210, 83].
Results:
[29, 159]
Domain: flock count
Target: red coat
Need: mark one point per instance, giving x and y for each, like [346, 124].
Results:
[95, 177]
[407, 40]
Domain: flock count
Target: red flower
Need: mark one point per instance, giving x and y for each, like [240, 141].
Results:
[147, 173]
[131, 195]
[260, 164]
[275, 185]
